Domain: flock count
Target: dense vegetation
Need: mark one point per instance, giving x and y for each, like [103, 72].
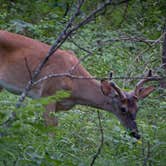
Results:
[27, 141]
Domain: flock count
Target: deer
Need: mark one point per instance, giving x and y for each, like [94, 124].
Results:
[100, 94]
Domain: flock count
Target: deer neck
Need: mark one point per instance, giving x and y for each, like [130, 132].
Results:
[89, 93]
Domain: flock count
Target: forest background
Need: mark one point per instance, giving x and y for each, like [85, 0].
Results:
[126, 38]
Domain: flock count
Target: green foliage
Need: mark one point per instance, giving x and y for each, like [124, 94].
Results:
[29, 142]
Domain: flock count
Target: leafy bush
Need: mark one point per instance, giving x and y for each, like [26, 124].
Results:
[29, 142]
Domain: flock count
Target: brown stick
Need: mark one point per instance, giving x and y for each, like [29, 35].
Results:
[101, 140]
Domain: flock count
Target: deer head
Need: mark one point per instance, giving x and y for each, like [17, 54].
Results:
[125, 103]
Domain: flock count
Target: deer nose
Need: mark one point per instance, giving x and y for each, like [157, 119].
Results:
[135, 134]
[124, 109]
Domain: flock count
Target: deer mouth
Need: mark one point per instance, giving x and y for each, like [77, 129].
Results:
[135, 134]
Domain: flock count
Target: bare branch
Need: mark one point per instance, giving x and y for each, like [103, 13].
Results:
[101, 140]
[133, 39]
[92, 15]
[67, 74]
[139, 55]
[121, 2]
[81, 48]
[81, 59]
[28, 68]
[148, 48]
[147, 156]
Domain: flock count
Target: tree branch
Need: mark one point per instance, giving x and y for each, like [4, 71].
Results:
[92, 15]
[101, 140]
[133, 39]
[67, 74]
[147, 156]
[28, 68]
[81, 59]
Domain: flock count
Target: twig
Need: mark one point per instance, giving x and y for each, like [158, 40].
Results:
[101, 140]
[147, 155]
[91, 15]
[121, 2]
[28, 68]
[147, 49]
[81, 48]
[133, 39]
[139, 54]
[81, 59]
[67, 74]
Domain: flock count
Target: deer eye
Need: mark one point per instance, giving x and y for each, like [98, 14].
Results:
[124, 109]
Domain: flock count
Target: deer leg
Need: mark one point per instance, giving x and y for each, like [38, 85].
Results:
[50, 120]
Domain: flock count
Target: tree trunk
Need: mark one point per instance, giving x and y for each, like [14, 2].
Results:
[164, 52]
[163, 83]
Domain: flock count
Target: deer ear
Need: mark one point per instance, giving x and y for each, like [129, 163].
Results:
[144, 92]
[105, 87]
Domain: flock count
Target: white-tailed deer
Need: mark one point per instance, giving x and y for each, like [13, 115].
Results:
[14, 75]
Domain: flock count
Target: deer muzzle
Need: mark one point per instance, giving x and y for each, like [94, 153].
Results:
[134, 133]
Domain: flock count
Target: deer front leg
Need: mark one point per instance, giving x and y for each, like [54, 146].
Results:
[50, 120]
